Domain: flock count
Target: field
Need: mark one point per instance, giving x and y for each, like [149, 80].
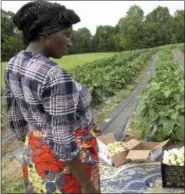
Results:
[160, 109]
[68, 62]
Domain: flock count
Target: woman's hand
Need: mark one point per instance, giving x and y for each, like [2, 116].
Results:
[80, 173]
[89, 188]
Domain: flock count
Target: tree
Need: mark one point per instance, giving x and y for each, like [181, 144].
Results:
[8, 27]
[131, 29]
[12, 41]
[159, 24]
[81, 40]
[122, 36]
[116, 39]
[103, 39]
[135, 12]
[178, 30]
[134, 31]
[11, 45]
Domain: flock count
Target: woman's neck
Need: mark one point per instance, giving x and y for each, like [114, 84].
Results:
[36, 48]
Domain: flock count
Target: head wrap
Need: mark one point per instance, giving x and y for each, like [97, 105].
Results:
[41, 17]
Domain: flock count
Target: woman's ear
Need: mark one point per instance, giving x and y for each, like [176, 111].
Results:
[42, 39]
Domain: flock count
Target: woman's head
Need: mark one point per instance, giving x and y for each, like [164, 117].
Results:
[46, 24]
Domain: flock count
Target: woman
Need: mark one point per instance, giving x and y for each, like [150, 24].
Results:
[47, 109]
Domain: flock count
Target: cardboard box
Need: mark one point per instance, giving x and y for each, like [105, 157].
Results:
[104, 154]
[135, 150]
[144, 151]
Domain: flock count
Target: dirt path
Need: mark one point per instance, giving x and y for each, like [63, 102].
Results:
[178, 57]
[121, 114]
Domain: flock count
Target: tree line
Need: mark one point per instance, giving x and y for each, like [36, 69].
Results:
[134, 31]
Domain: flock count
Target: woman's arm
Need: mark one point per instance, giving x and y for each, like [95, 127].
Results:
[61, 96]
[17, 122]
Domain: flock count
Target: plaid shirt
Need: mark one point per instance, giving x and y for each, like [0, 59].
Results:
[42, 95]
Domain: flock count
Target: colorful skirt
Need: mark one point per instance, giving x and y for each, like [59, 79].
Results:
[43, 173]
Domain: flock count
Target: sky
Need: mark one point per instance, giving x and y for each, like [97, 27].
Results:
[95, 13]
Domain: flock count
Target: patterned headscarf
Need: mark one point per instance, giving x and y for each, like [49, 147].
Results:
[41, 17]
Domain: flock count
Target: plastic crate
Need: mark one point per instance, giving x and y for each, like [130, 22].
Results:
[172, 176]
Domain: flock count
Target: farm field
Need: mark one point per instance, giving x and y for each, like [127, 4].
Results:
[131, 59]
[112, 78]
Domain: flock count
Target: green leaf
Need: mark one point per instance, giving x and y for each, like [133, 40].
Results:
[162, 113]
[180, 121]
[177, 107]
[174, 115]
[168, 126]
[156, 86]
[182, 89]
[159, 135]
[152, 114]
[167, 93]
[177, 97]
[98, 91]
[178, 134]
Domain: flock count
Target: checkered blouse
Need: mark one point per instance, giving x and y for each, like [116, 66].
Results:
[42, 95]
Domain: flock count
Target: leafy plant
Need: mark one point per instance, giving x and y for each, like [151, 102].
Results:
[160, 110]
[106, 77]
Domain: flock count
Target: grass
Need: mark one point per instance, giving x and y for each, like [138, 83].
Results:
[68, 62]
[71, 61]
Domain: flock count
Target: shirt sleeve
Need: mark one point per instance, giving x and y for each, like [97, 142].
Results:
[61, 96]
[17, 122]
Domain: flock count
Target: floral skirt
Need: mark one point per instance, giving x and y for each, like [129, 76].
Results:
[43, 173]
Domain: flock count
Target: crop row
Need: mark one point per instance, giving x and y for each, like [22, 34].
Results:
[106, 77]
[160, 111]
